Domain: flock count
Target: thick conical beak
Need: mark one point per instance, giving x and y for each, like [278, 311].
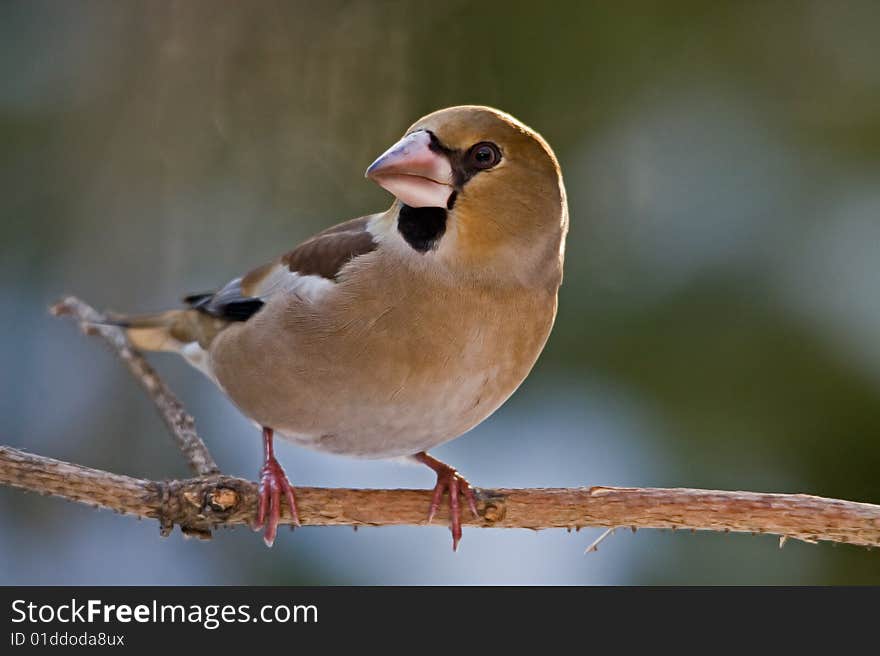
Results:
[417, 175]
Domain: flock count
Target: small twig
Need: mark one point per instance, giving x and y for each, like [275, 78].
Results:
[180, 424]
[597, 541]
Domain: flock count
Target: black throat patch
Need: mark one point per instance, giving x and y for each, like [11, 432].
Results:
[422, 227]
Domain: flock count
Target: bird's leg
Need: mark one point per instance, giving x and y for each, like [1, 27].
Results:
[455, 483]
[273, 481]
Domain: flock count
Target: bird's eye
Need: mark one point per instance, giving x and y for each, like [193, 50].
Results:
[484, 155]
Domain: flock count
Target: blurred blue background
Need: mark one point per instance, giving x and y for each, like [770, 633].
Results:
[718, 324]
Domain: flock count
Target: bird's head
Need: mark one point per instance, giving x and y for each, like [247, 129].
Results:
[478, 189]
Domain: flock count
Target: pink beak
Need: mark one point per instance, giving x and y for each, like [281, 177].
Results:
[410, 170]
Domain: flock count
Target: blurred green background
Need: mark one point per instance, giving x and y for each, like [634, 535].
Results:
[718, 324]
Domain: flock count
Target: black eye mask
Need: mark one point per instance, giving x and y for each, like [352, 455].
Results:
[482, 156]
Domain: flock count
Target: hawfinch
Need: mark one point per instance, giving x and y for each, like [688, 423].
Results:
[392, 333]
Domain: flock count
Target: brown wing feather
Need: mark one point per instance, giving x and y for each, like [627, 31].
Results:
[321, 255]
[327, 252]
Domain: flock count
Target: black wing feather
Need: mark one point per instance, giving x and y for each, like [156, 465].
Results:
[229, 303]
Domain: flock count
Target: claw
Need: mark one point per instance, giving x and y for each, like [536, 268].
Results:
[448, 479]
[273, 481]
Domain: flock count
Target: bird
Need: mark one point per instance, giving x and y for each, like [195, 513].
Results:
[389, 334]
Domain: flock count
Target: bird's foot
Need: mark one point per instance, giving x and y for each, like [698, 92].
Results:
[448, 479]
[273, 482]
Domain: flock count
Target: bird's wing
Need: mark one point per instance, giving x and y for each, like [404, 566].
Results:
[306, 271]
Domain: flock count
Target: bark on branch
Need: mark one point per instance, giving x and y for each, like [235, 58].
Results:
[198, 505]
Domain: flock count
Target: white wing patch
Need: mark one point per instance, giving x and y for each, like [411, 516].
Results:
[282, 280]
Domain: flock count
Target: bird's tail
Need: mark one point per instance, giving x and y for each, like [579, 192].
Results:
[162, 331]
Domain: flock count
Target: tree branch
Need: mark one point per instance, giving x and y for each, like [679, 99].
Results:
[198, 505]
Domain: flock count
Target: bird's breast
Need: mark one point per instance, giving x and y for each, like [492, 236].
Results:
[384, 371]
